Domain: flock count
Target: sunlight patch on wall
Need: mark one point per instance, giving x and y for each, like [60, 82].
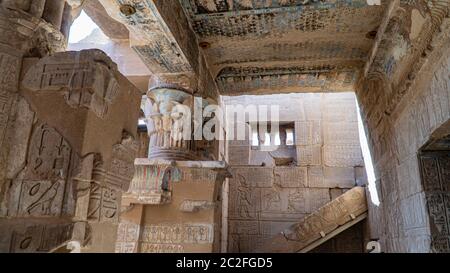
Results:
[367, 159]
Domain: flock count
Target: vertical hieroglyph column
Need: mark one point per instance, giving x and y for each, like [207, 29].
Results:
[22, 33]
[71, 154]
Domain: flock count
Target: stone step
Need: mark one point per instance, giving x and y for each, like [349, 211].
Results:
[328, 221]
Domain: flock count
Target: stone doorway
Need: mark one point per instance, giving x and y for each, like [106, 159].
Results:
[435, 174]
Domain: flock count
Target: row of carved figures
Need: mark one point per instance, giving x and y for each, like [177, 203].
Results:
[170, 124]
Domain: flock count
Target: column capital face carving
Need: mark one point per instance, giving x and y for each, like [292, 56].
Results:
[169, 124]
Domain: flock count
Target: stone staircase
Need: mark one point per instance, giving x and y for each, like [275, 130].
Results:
[328, 221]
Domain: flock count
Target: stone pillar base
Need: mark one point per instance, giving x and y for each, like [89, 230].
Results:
[181, 206]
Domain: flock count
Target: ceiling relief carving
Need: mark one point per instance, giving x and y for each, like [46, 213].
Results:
[284, 41]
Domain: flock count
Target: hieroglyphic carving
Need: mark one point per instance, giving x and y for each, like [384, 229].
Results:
[128, 232]
[296, 200]
[109, 181]
[341, 133]
[309, 155]
[256, 177]
[331, 215]
[244, 227]
[339, 109]
[256, 18]
[239, 155]
[161, 248]
[104, 202]
[231, 83]
[40, 238]
[331, 177]
[342, 155]
[9, 77]
[43, 185]
[290, 177]
[178, 234]
[308, 132]
[198, 175]
[435, 168]
[247, 200]
[125, 247]
[40, 198]
[430, 174]
[271, 199]
[122, 165]
[87, 79]
[127, 237]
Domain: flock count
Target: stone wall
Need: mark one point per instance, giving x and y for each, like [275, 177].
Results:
[265, 198]
[68, 152]
[401, 116]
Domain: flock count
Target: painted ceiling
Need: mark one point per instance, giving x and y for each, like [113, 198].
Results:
[257, 45]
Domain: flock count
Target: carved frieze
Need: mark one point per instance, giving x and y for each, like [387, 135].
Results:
[178, 234]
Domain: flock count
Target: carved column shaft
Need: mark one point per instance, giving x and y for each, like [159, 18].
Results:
[53, 12]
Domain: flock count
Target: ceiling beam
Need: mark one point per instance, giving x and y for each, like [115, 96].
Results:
[389, 12]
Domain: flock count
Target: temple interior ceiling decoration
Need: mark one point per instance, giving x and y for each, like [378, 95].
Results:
[275, 41]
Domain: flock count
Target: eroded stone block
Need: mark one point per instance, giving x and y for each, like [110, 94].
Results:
[331, 177]
[310, 155]
[342, 155]
[290, 177]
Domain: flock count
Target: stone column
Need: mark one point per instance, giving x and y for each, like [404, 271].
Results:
[169, 124]
[53, 12]
[177, 187]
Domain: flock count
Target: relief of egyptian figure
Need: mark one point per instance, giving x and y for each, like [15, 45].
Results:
[167, 128]
[179, 119]
[156, 116]
[244, 198]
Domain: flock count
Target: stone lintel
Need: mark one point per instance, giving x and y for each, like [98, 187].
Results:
[161, 36]
[232, 82]
[161, 48]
